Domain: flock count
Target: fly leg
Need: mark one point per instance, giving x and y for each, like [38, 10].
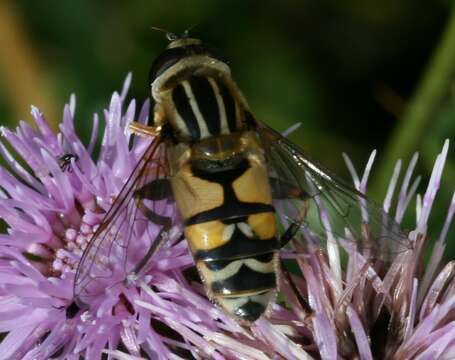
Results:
[284, 190]
[292, 230]
[156, 190]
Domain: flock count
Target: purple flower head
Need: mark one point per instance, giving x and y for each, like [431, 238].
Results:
[54, 200]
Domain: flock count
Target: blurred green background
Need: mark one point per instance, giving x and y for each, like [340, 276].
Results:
[359, 75]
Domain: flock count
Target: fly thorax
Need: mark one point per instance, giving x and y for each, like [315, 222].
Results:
[200, 106]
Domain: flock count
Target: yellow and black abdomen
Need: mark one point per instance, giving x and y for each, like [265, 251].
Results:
[226, 206]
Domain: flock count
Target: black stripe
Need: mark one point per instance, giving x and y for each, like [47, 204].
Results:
[217, 265]
[249, 120]
[238, 246]
[206, 101]
[250, 311]
[235, 220]
[229, 209]
[183, 107]
[225, 174]
[245, 279]
[229, 105]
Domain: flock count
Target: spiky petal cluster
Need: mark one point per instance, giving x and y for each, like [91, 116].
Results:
[328, 311]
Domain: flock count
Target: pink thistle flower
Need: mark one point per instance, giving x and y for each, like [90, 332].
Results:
[327, 310]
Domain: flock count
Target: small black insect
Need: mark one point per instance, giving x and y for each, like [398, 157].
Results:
[64, 161]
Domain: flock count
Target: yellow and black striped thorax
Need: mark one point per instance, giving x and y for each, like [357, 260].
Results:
[203, 107]
[192, 91]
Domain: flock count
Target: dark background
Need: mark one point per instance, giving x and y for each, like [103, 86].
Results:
[351, 71]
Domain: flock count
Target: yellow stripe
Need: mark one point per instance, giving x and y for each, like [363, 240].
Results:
[224, 128]
[197, 113]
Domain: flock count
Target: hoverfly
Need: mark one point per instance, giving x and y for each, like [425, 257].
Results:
[236, 189]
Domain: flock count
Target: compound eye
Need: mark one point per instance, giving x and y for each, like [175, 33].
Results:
[215, 54]
[163, 62]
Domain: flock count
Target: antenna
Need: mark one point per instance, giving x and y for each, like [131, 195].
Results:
[169, 35]
[186, 33]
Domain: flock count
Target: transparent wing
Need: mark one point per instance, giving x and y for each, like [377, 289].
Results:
[327, 209]
[141, 212]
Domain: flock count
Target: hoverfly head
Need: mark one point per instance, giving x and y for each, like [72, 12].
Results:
[179, 48]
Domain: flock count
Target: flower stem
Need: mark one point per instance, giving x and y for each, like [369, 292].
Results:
[422, 109]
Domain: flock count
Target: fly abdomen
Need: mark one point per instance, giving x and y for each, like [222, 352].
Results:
[223, 194]
[237, 259]
[245, 286]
